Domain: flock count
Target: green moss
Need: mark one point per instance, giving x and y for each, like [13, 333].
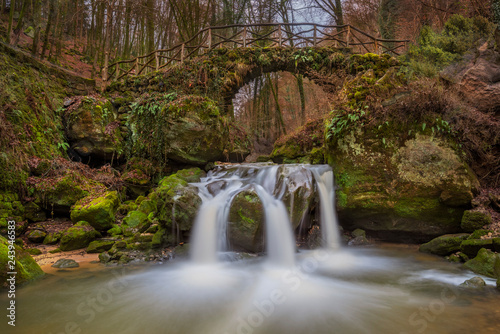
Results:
[27, 269]
[99, 246]
[474, 220]
[483, 263]
[78, 236]
[444, 245]
[99, 213]
[135, 218]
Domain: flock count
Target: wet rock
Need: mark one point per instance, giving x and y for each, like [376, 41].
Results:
[474, 282]
[65, 264]
[358, 233]
[314, 237]
[99, 246]
[474, 220]
[483, 263]
[444, 245]
[99, 213]
[26, 267]
[37, 236]
[418, 188]
[358, 241]
[104, 257]
[78, 236]
[471, 247]
[245, 229]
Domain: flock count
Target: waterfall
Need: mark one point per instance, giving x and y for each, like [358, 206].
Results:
[271, 183]
[329, 220]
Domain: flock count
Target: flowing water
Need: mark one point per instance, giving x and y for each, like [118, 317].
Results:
[383, 289]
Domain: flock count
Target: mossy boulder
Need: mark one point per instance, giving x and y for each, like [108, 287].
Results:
[399, 187]
[78, 236]
[472, 246]
[52, 238]
[483, 263]
[26, 267]
[191, 174]
[246, 219]
[188, 130]
[444, 245]
[135, 218]
[34, 213]
[58, 194]
[474, 220]
[93, 129]
[100, 246]
[98, 212]
[37, 236]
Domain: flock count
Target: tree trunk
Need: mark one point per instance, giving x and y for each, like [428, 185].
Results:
[20, 21]
[300, 85]
[11, 19]
[37, 8]
[49, 27]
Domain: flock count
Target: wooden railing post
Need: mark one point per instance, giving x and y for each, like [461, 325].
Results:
[279, 36]
[245, 37]
[137, 66]
[209, 39]
[315, 34]
[118, 70]
[105, 73]
[376, 46]
[182, 52]
[157, 61]
[348, 35]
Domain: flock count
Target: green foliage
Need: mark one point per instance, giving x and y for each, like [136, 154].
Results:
[434, 51]
[344, 121]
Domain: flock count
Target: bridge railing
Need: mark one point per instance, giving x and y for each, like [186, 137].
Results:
[255, 35]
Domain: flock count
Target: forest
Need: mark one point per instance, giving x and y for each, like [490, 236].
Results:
[250, 166]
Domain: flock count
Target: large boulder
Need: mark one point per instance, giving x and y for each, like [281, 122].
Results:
[484, 263]
[478, 78]
[406, 186]
[25, 266]
[444, 245]
[78, 236]
[246, 219]
[98, 212]
[475, 219]
[93, 129]
[188, 130]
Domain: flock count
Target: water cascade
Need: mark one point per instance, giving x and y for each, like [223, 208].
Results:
[271, 183]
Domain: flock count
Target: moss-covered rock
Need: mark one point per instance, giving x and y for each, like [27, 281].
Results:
[37, 236]
[27, 269]
[395, 186]
[191, 174]
[483, 263]
[93, 129]
[471, 247]
[444, 245]
[100, 246]
[34, 213]
[135, 218]
[99, 212]
[245, 230]
[78, 236]
[188, 129]
[474, 220]
[52, 238]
